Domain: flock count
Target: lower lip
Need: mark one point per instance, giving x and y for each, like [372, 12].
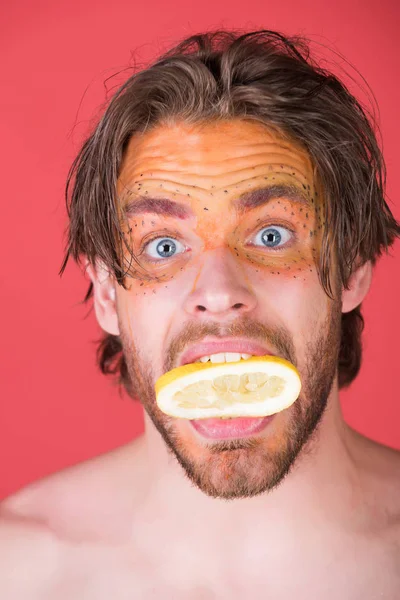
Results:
[225, 429]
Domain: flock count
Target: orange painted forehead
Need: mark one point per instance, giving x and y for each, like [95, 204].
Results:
[210, 156]
[200, 172]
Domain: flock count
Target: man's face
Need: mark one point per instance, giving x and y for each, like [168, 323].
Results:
[226, 272]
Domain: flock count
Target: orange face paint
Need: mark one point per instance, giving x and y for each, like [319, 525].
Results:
[207, 169]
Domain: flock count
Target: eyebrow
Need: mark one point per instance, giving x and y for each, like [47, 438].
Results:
[246, 201]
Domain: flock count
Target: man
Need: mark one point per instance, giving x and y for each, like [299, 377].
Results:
[230, 200]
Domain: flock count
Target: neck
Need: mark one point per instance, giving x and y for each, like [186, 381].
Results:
[323, 481]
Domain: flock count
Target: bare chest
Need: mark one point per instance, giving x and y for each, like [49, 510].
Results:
[352, 574]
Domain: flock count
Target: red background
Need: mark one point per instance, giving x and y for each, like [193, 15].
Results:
[56, 408]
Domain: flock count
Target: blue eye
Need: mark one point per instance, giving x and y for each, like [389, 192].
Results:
[273, 236]
[165, 248]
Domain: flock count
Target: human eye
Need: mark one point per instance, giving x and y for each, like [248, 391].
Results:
[160, 247]
[275, 236]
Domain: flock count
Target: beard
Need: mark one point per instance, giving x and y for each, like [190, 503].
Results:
[247, 467]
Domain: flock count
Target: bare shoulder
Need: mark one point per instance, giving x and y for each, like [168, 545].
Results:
[379, 460]
[29, 558]
[379, 466]
[45, 527]
[74, 502]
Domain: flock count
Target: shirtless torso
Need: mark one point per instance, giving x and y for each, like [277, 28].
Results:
[83, 533]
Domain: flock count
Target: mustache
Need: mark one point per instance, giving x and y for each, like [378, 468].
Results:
[277, 337]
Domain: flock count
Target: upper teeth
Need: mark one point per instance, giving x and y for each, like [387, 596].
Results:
[224, 357]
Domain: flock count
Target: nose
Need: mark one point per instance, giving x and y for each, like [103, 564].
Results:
[221, 288]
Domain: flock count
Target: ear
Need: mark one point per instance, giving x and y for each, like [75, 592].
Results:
[104, 292]
[359, 284]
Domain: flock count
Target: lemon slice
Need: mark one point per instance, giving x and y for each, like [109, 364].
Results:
[255, 387]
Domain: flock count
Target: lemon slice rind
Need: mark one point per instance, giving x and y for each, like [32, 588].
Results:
[180, 378]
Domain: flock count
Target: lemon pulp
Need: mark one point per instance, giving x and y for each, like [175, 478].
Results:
[255, 387]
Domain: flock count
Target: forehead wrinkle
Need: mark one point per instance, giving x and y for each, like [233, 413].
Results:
[172, 161]
[209, 169]
[172, 157]
[197, 180]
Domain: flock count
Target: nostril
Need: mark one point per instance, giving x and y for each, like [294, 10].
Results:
[203, 308]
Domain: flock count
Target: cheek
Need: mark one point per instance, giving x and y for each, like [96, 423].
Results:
[293, 294]
[146, 311]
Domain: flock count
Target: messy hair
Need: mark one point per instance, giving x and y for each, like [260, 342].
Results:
[262, 76]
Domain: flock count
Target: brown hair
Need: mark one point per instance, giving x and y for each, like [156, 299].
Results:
[260, 75]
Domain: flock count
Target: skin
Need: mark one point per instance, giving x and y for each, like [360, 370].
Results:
[224, 246]
[171, 513]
